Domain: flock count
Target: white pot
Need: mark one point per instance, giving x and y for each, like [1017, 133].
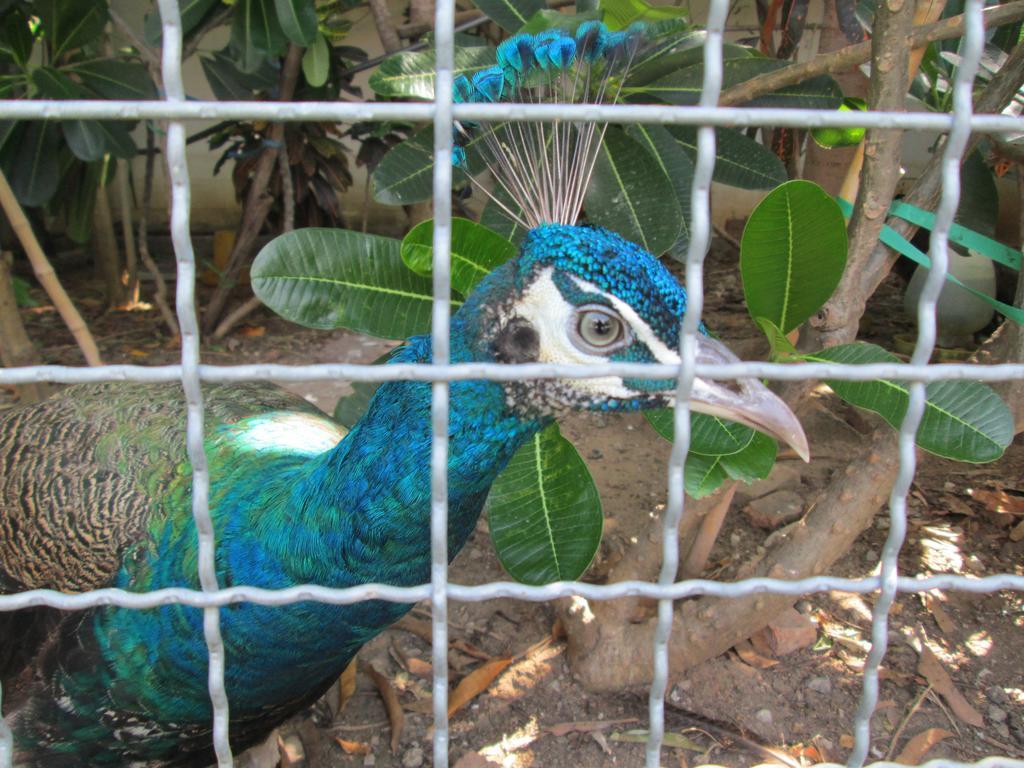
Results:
[960, 314]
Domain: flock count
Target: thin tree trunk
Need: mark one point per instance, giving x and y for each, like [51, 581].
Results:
[159, 284]
[16, 349]
[108, 255]
[257, 203]
[45, 275]
[131, 256]
[385, 27]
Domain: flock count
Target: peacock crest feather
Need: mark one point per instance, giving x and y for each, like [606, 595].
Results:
[545, 167]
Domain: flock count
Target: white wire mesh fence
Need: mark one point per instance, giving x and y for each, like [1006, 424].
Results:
[190, 372]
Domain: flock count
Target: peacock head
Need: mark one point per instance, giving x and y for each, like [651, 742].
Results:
[584, 295]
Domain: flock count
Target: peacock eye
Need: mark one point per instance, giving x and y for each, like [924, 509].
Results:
[598, 330]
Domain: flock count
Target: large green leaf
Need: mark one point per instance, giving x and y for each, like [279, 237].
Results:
[544, 512]
[89, 140]
[16, 39]
[113, 79]
[192, 13]
[619, 14]
[684, 86]
[793, 253]
[739, 161]
[79, 188]
[256, 33]
[677, 167]
[70, 24]
[631, 194]
[34, 171]
[331, 278]
[229, 83]
[497, 220]
[411, 75]
[550, 18]
[316, 61]
[719, 450]
[963, 420]
[510, 15]
[297, 19]
[475, 251]
[673, 54]
[406, 173]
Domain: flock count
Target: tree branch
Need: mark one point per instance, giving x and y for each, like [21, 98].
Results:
[844, 58]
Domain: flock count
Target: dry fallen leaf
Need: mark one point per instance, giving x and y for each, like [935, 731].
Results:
[469, 649]
[1000, 507]
[946, 624]
[475, 683]
[932, 670]
[419, 667]
[1018, 532]
[671, 739]
[918, 747]
[252, 331]
[846, 741]
[474, 760]
[585, 726]
[418, 627]
[395, 714]
[749, 656]
[353, 747]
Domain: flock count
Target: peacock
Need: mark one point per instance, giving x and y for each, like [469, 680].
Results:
[95, 486]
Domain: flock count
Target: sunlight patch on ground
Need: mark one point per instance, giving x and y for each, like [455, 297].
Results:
[940, 548]
[979, 643]
[507, 752]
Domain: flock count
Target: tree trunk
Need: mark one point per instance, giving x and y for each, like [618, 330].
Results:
[827, 167]
[108, 255]
[257, 203]
[16, 349]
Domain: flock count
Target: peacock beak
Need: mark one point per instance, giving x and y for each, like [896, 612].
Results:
[746, 401]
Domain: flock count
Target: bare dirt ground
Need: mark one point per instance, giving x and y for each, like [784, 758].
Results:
[739, 709]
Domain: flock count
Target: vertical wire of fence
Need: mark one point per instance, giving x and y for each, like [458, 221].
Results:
[190, 372]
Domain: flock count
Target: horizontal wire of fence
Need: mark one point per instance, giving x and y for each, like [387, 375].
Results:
[348, 112]
[190, 372]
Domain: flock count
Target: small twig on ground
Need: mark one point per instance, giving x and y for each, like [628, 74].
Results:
[934, 697]
[906, 720]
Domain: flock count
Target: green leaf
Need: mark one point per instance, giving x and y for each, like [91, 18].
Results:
[88, 140]
[549, 18]
[792, 254]
[411, 75]
[830, 138]
[677, 167]
[630, 194]
[114, 79]
[619, 14]
[782, 348]
[475, 251]
[544, 512]
[34, 171]
[739, 161]
[510, 15]
[78, 197]
[316, 62]
[673, 54]
[256, 33]
[70, 24]
[497, 220]
[229, 83]
[719, 450]
[16, 38]
[331, 278]
[406, 173]
[684, 87]
[298, 20]
[192, 13]
[963, 420]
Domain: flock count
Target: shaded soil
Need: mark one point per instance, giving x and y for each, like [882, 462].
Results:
[730, 711]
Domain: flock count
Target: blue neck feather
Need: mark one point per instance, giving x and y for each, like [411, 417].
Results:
[355, 513]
